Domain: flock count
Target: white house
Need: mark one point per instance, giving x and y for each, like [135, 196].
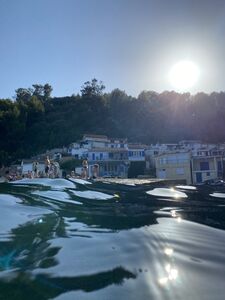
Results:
[79, 152]
[91, 141]
[154, 150]
[207, 165]
[136, 152]
[118, 143]
[112, 162]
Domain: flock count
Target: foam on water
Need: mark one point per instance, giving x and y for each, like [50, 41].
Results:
[92, 195]
[165, 192]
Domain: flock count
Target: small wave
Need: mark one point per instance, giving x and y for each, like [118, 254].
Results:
[186, 187]
[92, 195]
[56, 195]
[165, 192]
[217, 195]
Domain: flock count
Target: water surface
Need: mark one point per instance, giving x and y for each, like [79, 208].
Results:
[72, 240]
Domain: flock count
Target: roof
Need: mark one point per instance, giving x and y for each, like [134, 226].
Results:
[137, 146]
[95, 136]
[111, 150]
[173, 152]
[120, 140]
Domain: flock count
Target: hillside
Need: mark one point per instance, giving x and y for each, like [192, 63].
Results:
[35, 121]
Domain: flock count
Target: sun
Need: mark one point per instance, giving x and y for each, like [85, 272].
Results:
[184, 75]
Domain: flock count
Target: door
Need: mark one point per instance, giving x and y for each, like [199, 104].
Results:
[199, 177]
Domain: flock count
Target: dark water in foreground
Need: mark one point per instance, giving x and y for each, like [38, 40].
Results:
[65, 240]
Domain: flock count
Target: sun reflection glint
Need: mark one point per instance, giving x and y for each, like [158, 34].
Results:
[168, 251]
[172, 275]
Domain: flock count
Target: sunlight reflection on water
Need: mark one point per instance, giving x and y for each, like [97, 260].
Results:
[132, 248]
[165, 192]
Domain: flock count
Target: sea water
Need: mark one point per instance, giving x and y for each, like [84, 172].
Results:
[73, 240]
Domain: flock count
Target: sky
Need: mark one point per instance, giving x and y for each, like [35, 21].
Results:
[128, 44]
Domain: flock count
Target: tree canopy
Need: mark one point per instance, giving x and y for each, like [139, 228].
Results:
[36, 121]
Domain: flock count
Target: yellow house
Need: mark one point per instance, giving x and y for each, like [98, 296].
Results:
[174, 166]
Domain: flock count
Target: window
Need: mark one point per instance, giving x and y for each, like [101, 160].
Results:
[162, 161]
[219, 165]
[101, 156]
[93, 156]
[208, 174]
[204, 165]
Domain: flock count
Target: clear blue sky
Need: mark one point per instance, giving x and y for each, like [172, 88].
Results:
[127, 44]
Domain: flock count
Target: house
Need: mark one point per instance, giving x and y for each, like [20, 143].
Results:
[195, 166]
[110, 154]
[207, 165]
[153, 151]
[118, 143]
[78, 151]
[190, 144]
[136, 152]
[91, 141]
[56, 152]
[136, 155]
[112, 162]
[174, 165]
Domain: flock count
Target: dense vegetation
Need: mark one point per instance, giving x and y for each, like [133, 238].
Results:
[35, 121]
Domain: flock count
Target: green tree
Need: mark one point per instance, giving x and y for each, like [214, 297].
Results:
[47, 91]
[23, 94]
[38, 90]
[92, 89]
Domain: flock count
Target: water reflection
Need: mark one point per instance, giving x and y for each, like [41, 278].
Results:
[131, 246]
[168, 251]
[165, 192]
[46, 287]
[171, 275]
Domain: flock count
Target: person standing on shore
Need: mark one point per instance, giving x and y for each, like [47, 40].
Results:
[47, 166]
[95, 171]
[35, 169]
[85, 169]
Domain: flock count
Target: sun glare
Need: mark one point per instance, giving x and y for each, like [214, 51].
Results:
[184, 75]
